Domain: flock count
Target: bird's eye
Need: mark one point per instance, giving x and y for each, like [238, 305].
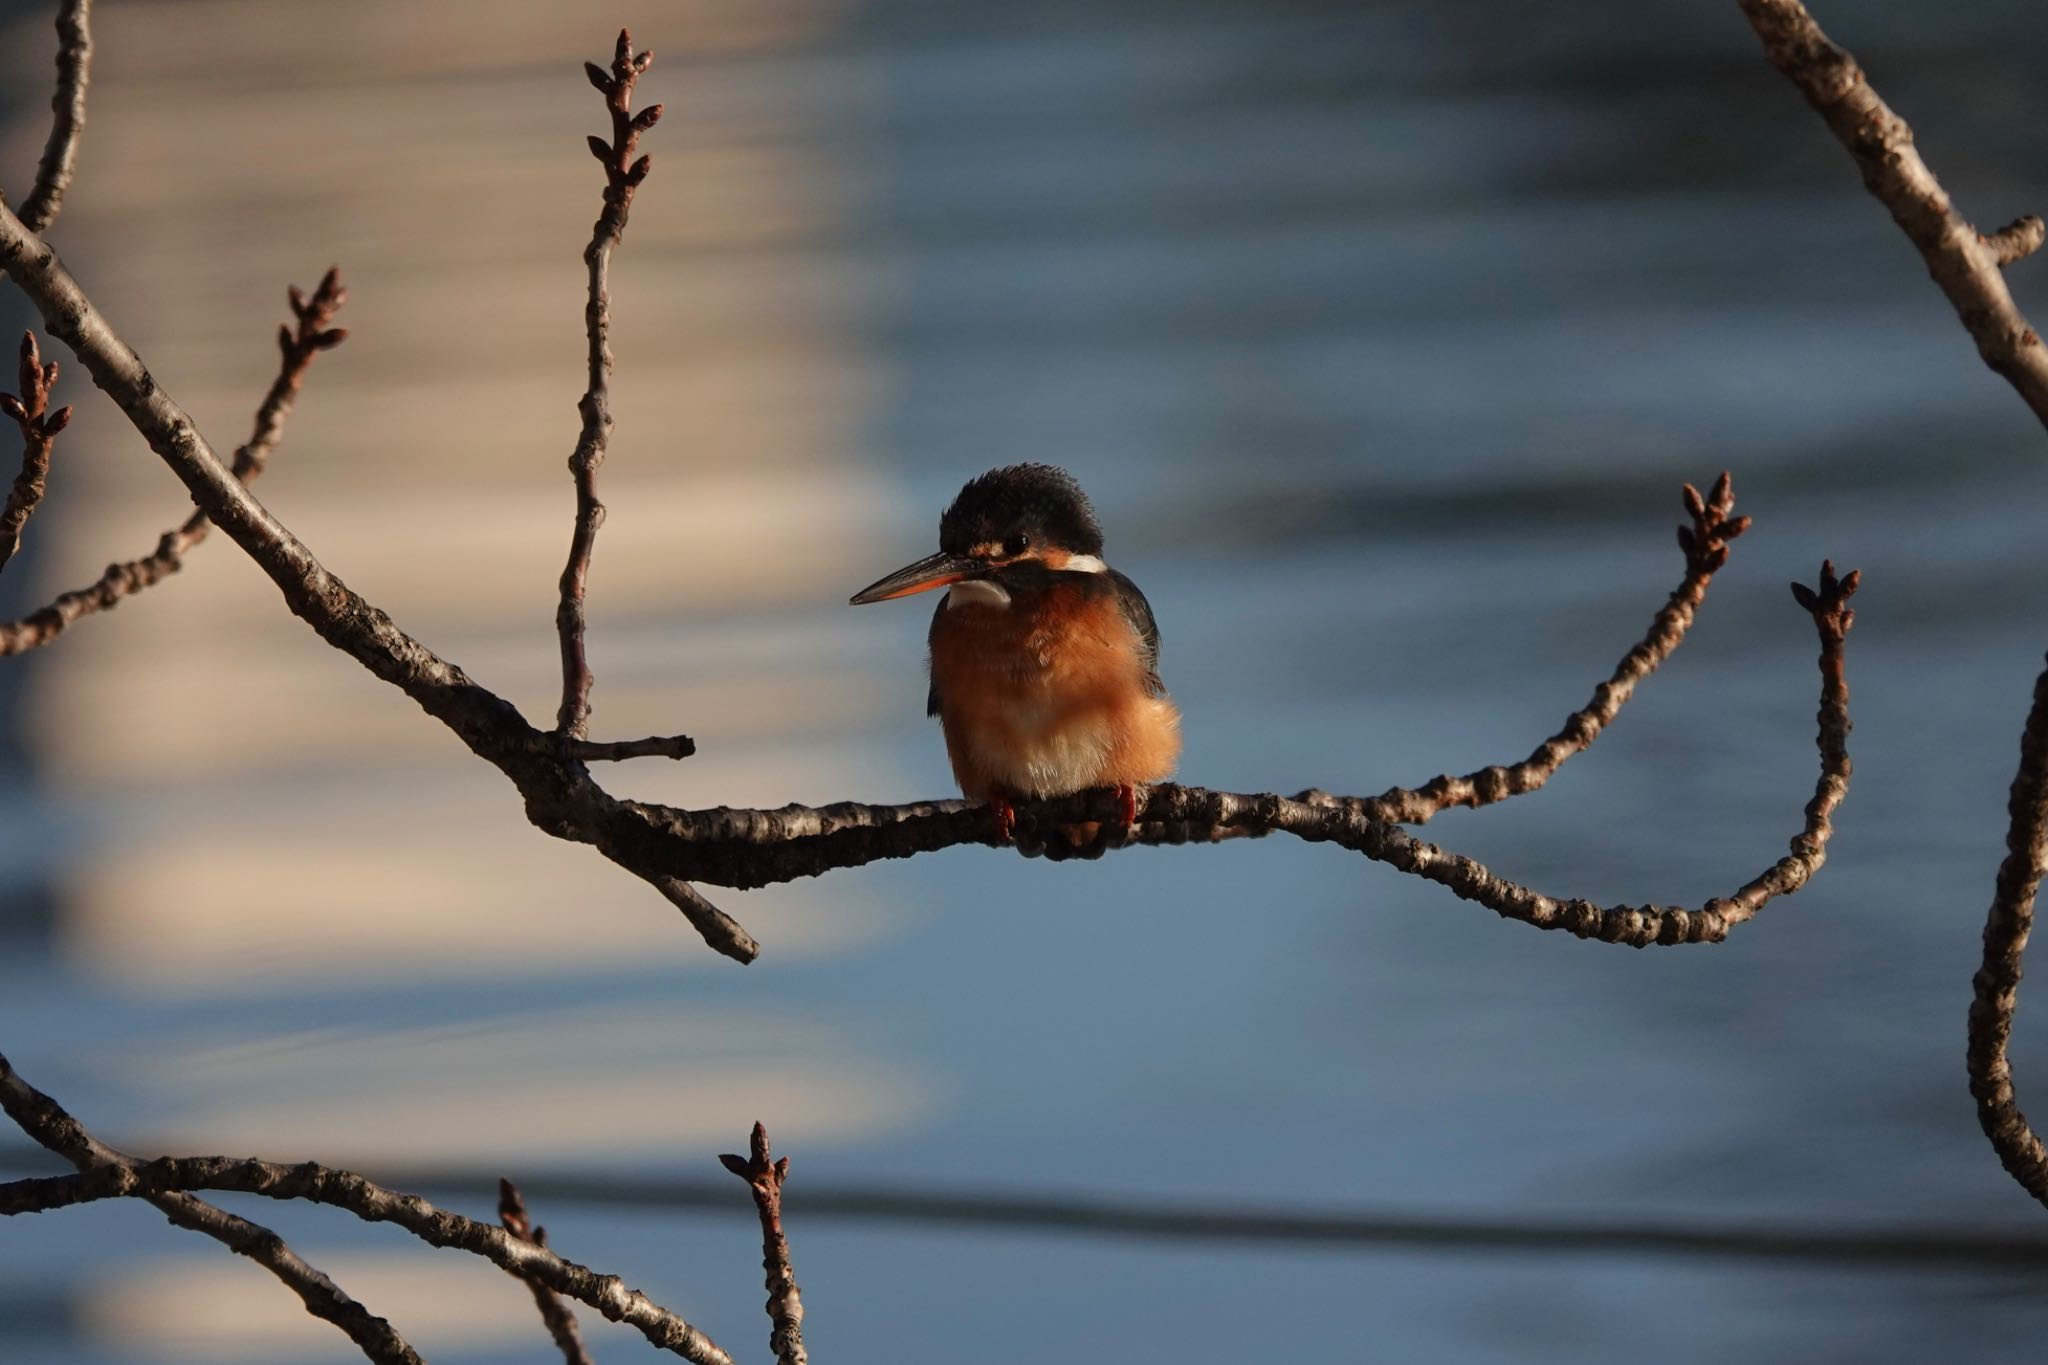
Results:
[1016, 545]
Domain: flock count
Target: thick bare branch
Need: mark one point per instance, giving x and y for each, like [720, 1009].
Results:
[1965, 263]
[561, 1323]
[67, 109]
[1705, 543]
[785, 1302]
[29, 411]
[44, 1120]
[314, 332]
[1997, 985]
[623, 174]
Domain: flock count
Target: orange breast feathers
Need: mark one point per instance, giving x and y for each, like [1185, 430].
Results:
[1047, 695]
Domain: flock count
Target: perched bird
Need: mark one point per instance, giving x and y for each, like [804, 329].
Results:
[1044, 660]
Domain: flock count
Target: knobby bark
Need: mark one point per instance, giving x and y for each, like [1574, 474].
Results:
[1968, 265]
[67, 110]
[29, 411]
[623, 173]
[554, 1314]
[107, 1174]
[46, 1121]
[298, 344]
[764, 1179]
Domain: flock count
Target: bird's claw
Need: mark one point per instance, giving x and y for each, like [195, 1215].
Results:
[1006, 820]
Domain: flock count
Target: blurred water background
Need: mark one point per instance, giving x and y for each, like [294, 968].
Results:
[1383, 335]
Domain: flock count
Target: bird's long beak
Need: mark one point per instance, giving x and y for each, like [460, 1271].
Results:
[933, 571]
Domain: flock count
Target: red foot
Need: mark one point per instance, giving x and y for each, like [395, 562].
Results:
[1006, 819]
[1127, 803]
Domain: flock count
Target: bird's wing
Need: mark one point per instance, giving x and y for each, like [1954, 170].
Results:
[1138, 612]
[931, 698]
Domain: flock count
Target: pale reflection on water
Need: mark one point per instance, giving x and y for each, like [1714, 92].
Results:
[1383, 336]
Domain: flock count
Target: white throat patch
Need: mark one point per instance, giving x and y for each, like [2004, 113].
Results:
[1084, 564]
[976, 592]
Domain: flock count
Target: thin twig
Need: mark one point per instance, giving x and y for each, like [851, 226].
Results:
[785, 1302]
[623, 174]
[67, 108]
[313, 334]
[721, 932]
[1965, 263]
[39, 427]
[43, 1119]
[1997, 984]
[561, 1323]
[611, 751]
[1705, 544]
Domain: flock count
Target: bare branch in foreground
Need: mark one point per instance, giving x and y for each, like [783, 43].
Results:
[313, 334]
[43, 1119]
[623, 174]
[67, 108]
[785, 1301]
[107, 1174]
[561, 1323]
[1965, 263]
[746, 848]
[29, 411]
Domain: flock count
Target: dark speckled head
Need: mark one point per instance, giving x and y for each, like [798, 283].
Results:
[1035, 501]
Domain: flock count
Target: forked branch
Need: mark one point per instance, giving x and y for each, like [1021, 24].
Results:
[312, 332]
[44, 1120]
[1966, 264]
[554, 1314]
[107, 1174]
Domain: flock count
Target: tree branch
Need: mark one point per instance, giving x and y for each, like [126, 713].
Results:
[313, 334]
[39, 428]
[623, 174]
[611, 751]
[785, 1302]
[561, 1323]
[1997, 984]
[1965, 263]
[1705, 543]
[106, 1174]
[43, 1119]
[67, 107]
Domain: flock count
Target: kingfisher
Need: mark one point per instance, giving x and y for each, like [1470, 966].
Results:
[1044, 660]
